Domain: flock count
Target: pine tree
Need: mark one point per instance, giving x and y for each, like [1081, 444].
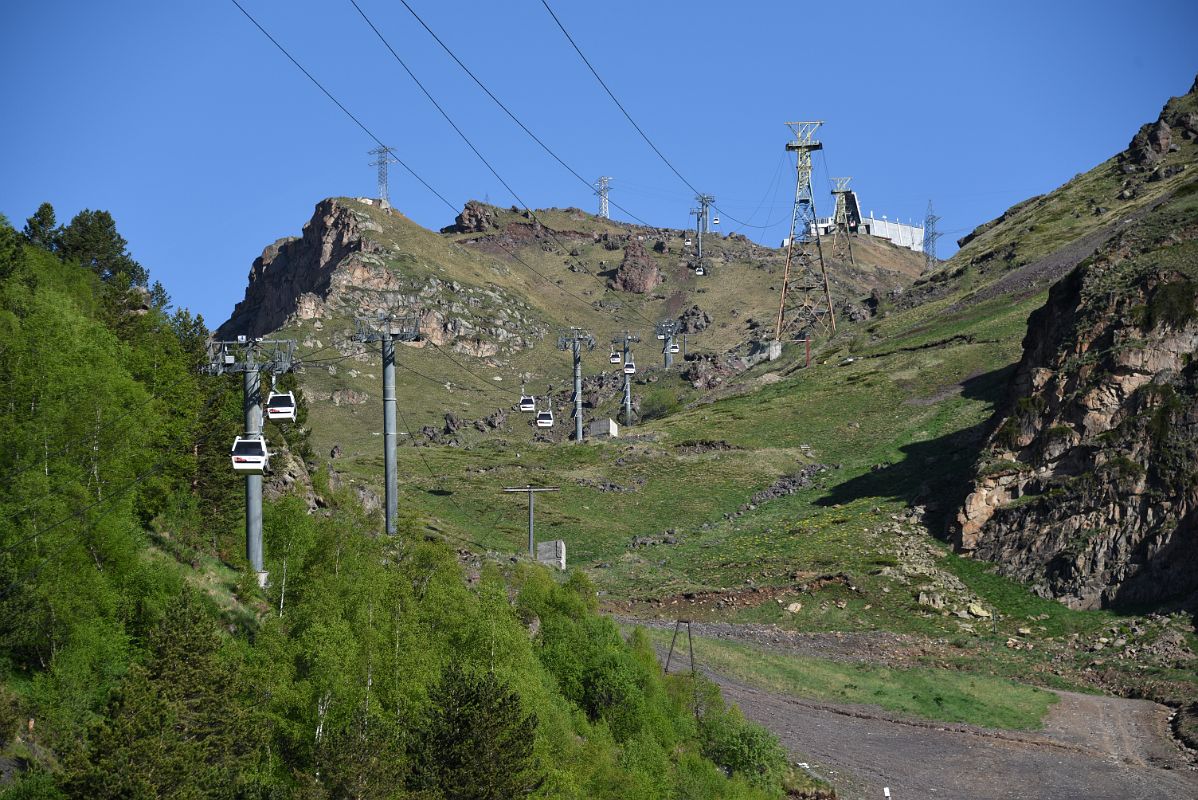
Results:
[91, 239]
[41, 230]
[475, 742]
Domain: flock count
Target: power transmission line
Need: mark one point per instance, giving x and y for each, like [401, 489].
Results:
[371, 134]
[508, 111]
[628, 116]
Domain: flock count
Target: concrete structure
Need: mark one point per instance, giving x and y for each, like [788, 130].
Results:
[553, 553]
[898, 233]
[603, 429]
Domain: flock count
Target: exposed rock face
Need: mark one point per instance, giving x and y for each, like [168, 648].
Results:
[1088, 486]
[339, 268]
[638, 271]
[474, 218]
[1151, 143]
[694, 320]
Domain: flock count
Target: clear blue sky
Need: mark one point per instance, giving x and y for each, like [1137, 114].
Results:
[206, 144]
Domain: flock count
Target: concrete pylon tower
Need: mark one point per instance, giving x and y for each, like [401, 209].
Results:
[806, 298]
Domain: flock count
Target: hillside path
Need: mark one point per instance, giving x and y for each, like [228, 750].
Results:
[1092, 747]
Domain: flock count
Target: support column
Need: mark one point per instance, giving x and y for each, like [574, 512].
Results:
[577, 390]
[390, 485]
[627, 390]
[532, 543]
[252, 391]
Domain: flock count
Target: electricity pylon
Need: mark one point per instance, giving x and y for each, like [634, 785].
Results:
[930, 235]
[800, 306]
[382, 160]
[601, 188]
[252, 357]
[844, 222]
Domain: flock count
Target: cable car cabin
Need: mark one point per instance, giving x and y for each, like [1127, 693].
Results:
[674, 348]
[527, 404]
[545, 417]
[614, 357]
[629, 367]
[688, 242]
[280, 406]
[700, 271]
[715, 220]
[250, 455]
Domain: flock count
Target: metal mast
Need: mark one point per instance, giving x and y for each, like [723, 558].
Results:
[701, 215]
[250, 357]
[531, 490]
[382, 158]
[574, 340]
[388, 329]
[843, 222]
[601, 188]
[625, 340]
[666, 330]
[804, 310]
[930, 235]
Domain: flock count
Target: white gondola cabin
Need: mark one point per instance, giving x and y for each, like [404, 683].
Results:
[614, 358]
[715, 220]
[700, 271]
[250, 455]
[674, 348]
[280, 406]
[688, 242]
[629, 366]
[545, 415]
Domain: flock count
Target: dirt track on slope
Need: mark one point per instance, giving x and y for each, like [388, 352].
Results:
[1096, 748]
[1091, 747]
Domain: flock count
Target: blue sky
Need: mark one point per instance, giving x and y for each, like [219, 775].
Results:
[206, 144]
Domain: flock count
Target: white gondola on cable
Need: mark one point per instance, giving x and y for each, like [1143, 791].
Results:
[614, 357]
[545, 415]
[700, 271]
[688, 242]
[629, 366]
[674, 348]
[280, 406]
[715, 220]
[528, 403]
[250, 455]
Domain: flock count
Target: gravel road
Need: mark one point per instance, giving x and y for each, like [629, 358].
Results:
[1092, 747]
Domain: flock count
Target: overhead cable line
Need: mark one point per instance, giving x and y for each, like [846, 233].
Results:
[461, 134]
[632, 121]
[337, 102]
[507, 110]
[448, 205]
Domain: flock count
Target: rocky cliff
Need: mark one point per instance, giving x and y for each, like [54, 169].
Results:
[1088, 484]
[351, 260]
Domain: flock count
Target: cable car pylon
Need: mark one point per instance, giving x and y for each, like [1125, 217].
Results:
[388, 329]
[251, 357]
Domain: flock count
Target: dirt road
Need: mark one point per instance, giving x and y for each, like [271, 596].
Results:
[1091, 747]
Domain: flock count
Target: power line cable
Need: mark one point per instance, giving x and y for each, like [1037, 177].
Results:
[633, 122]
[345, 110]
[461, 134]
[508, 111]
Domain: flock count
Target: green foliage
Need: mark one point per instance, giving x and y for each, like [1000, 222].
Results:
[742, 748]
[659, 402]
[1171, 304]
[41, 229]
[91, 239]
[475, 742]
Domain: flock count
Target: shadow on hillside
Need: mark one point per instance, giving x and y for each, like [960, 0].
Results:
[935, 473]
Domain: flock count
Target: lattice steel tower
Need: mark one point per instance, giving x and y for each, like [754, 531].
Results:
[601, 188]
[382, 159]
[845, 221]
[802, 305]
[930, 235]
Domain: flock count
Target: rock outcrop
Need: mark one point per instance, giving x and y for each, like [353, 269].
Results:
[638, 272]
[1088, 486]
[344, 265]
